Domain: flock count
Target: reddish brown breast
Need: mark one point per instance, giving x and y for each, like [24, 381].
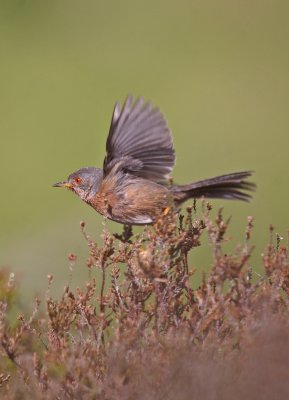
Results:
[131, 200]
[105, 199]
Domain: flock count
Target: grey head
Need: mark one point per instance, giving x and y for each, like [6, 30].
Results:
[84, 182]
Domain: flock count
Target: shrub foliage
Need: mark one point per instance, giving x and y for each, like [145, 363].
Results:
[141, 331]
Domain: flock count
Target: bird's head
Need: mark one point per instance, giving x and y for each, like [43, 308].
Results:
[83, 182]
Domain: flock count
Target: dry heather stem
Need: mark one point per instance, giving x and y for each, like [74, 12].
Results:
[146, 333]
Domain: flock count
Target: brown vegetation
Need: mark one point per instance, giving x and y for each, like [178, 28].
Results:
[145, 333]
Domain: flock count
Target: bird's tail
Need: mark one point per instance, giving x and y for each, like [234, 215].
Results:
[230, 186]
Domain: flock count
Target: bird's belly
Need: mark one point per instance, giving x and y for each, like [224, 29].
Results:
[134, 204]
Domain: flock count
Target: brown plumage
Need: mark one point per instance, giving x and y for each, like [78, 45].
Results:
[132, 188]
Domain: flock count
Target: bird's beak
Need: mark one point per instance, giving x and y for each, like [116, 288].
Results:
[63, 184]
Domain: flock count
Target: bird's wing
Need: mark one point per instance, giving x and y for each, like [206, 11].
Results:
[139, 141]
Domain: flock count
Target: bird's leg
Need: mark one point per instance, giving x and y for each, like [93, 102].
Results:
[126, 235]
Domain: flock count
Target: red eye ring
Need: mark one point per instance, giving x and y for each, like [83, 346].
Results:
[77, 180]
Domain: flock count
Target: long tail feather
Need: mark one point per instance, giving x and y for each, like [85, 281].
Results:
[230, 186]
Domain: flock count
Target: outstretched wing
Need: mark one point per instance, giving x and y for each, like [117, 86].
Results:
[139, 141]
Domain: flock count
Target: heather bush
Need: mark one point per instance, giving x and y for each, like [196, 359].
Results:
[140, 330]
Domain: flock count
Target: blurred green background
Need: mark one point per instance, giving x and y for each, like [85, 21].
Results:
[217, 69]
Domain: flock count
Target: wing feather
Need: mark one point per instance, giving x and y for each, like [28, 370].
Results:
[140, 141]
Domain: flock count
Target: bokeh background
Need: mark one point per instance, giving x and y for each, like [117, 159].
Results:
[217, 69]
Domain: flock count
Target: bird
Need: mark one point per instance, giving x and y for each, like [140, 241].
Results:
[134, 186]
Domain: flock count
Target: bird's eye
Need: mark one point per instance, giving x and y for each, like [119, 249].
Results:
[77, 180]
